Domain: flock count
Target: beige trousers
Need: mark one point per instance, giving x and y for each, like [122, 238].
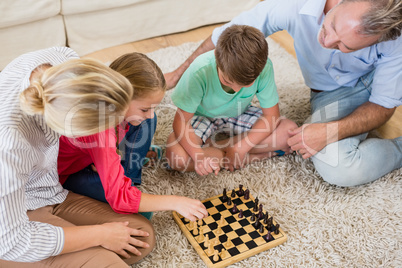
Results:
[81, 210]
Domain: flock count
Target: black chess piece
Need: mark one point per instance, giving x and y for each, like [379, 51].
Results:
[270, 223]
[257, 224]
[252, 217]
[260, 215]
[229, 201]
[255, 209]
[262, 229]
[233, 194]
[241, 213]
[241, 191]
[224, 196]
[260, 208]
[276, 228]
[268, 236]
[235, 209]
[247, 194]
[266, 218]
[256, 201]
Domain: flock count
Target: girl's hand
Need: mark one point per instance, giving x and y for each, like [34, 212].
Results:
[189, 208]
[119, 238]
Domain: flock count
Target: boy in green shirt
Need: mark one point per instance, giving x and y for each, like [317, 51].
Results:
[214, 95]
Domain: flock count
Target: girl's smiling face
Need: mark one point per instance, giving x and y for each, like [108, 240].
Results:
[143, 108]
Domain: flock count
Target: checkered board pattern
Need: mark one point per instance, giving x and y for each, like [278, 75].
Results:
[245, 240]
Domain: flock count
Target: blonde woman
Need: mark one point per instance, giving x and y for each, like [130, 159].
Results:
[113, 180]
[43, 95]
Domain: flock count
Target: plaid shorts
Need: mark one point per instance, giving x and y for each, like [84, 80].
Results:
[206, 127]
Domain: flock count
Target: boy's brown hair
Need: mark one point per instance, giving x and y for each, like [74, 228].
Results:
[241, 53]
[143, 73]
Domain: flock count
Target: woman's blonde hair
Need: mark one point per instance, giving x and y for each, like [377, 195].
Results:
[143, 73]
[79, 97]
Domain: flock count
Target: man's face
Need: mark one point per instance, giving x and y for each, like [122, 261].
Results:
[341, 27]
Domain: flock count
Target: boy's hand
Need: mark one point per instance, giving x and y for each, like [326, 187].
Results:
[191, 209]
[206, 165]
[234, 158]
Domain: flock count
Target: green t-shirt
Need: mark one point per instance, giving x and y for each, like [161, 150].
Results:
[199, 90]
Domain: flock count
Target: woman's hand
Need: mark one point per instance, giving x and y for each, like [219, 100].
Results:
[120, 238]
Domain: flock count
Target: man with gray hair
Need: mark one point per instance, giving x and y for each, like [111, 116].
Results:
[350, 54]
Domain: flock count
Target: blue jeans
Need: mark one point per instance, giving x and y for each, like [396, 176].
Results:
[134, 147]
[354, 160]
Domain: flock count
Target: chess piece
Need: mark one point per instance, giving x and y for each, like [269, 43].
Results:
[223, 253]
[235, 209]
[233, 194]
[228, 243]
[260, 215]
[270, 223]
[268, 236]
[241, 213]
[224, 196]
[262, 229]
[206, 241]
[255, 209]
[260, 208]
[221, 222]
[200, 222]
[241, 191]
[195, 231]
[201, 236]
[247, 194]
[191, 225]
[276, 228]
[210, 248]
[257, 224]
[216, 256]
[252, 217]
[219, 230]
[265, 218]
[229, 201]
[186, 220]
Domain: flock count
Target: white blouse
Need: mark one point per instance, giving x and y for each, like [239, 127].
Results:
[28, 165]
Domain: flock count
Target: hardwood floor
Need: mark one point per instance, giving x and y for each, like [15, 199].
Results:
[392, 129]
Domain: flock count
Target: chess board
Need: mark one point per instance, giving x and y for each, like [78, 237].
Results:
[233, 239]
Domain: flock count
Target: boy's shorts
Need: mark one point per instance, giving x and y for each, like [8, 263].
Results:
[205, 127]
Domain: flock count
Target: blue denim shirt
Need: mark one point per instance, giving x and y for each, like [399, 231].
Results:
[327, 69]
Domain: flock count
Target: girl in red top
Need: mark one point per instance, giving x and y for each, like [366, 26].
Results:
[117, 170]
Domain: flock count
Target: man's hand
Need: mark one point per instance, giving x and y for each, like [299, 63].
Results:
[309, 139]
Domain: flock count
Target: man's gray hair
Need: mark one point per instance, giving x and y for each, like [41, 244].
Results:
[383, 18]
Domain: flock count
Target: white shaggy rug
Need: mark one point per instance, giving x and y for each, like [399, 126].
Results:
[327, 226]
